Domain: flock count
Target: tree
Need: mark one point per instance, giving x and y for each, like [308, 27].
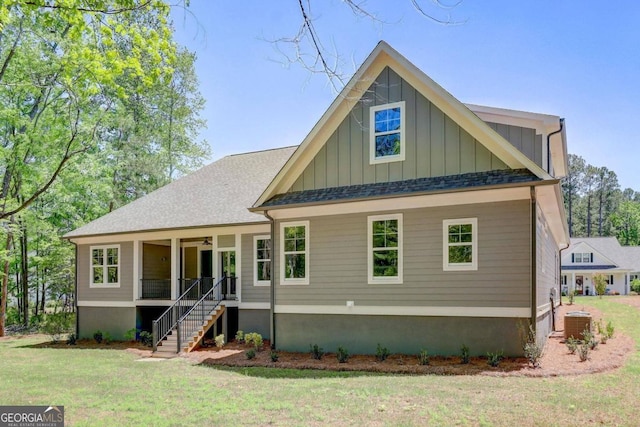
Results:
[626, 222]
[600, 284]
[572, 185]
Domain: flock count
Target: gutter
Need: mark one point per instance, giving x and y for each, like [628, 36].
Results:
[272, 291]
[75, 296]
[549, 144]
[534, 266]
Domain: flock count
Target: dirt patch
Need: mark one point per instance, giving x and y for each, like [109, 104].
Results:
[555, 361]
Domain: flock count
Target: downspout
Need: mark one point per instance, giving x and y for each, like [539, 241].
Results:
[75, 296]
[549, 144]
[534, 252]
[272, 291]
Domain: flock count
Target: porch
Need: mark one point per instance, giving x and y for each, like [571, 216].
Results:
[167, 268]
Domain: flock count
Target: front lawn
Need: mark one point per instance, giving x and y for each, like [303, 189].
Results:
[109, 387]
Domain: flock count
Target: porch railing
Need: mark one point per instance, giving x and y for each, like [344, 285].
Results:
[193, 319]
[156, 288]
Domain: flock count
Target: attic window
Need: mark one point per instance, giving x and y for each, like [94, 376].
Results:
[386, 133]
[583, 257]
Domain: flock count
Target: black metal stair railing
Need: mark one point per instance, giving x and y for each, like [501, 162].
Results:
[164, 324]
[192, 320]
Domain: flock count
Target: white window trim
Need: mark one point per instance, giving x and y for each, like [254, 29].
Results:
[371, 278]
[305, 280]
[372, 134]
[104, 266]
[446, 265]
[257, 282]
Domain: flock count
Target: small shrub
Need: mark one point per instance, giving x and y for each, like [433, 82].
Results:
[316, 351]
[274, 356]
[572, 344]
[464, 354]
[254, 339]
[107, 338]
[382, 353]
[600, 284]
[589, 339]
[583, 352]
[342, 354]
[55, 325]
[635, 286]
[251, 353]
[572, 295]
[532, 350]
[423, 357]
[494, 359]
[219, 341]
[610, 329]
[146, 338]
[130, 335]
[97, 335]
[240, 337]
[71, 339]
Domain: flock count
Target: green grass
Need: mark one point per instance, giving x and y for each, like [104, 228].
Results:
[108, 387]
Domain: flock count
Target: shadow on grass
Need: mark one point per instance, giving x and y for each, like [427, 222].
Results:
[289, 373]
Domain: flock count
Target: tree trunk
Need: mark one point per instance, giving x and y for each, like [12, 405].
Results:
[24, 270]
[5, 285]
[589, 216]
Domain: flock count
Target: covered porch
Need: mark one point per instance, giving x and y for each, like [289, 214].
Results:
[580, 280]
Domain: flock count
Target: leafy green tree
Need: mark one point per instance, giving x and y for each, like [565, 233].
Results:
[626, 222]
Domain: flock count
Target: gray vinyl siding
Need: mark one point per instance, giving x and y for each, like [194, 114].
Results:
[251, 293]
[547, 274]
[434, 144]
[123, 293]
[338, 261]
[156, 261]
[524, 139]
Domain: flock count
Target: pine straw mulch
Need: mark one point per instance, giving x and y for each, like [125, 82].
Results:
[555, 360]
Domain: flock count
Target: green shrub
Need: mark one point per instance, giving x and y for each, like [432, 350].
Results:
[532, 350]
[97, 335]
[130, 335]
[71, 339]
[342, 354]
[589, 339]
[610, 329]
[600, 284]
[464, 354]
[572, 295]
[240, 337]
[494, 359]
[146, 338]
[219, 341]
[583, 351]
[107, 338]
[572, 344]
[635, 286]
[55, 325]
[274, 356]
[316, 351]
[251, 353]
[254, 339]
[423, 357]
[382, 353]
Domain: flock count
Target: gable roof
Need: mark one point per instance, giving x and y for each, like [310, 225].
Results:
[217, 194]
[385, 56]
[624, 257]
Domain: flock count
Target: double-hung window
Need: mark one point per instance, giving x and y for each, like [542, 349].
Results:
[105, 266]
[460, 249]
[385, 248]
[386, 133]
[262, 267]
[294, 253]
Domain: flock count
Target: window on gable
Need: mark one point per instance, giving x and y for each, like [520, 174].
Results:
[386, 135]
[294, 252]
[105, 267]
[460, 249]
[582, 257]
[262, 267]
[385, 249]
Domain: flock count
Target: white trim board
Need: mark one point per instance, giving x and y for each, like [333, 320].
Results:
[254, 306]
[524, 312]
[115, 304]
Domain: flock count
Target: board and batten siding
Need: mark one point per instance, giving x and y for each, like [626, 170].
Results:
[524, 139]
[122, 293]
[435, 144]
[338, 261]
[251, 293]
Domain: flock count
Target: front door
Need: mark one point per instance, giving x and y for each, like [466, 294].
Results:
[579, 284]
[228, 270]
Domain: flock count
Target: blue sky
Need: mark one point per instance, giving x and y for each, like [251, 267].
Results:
[546, 56]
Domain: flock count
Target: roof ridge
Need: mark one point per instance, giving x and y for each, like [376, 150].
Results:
[261, 151]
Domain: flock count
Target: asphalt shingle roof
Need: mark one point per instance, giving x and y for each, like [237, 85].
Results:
[217, 194]
[399, 188]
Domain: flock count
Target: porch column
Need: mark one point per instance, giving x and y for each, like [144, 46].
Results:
[175, 264]
[573, 282]
[627, 283]
[137, 269]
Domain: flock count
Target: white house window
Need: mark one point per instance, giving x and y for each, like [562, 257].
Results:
[386, 134]
[460, 249]
[105, 266]
[585, 257]
[262, 267]
[385, 248]
[294, 252]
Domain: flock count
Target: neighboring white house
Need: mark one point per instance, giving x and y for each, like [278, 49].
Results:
[591, 255]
